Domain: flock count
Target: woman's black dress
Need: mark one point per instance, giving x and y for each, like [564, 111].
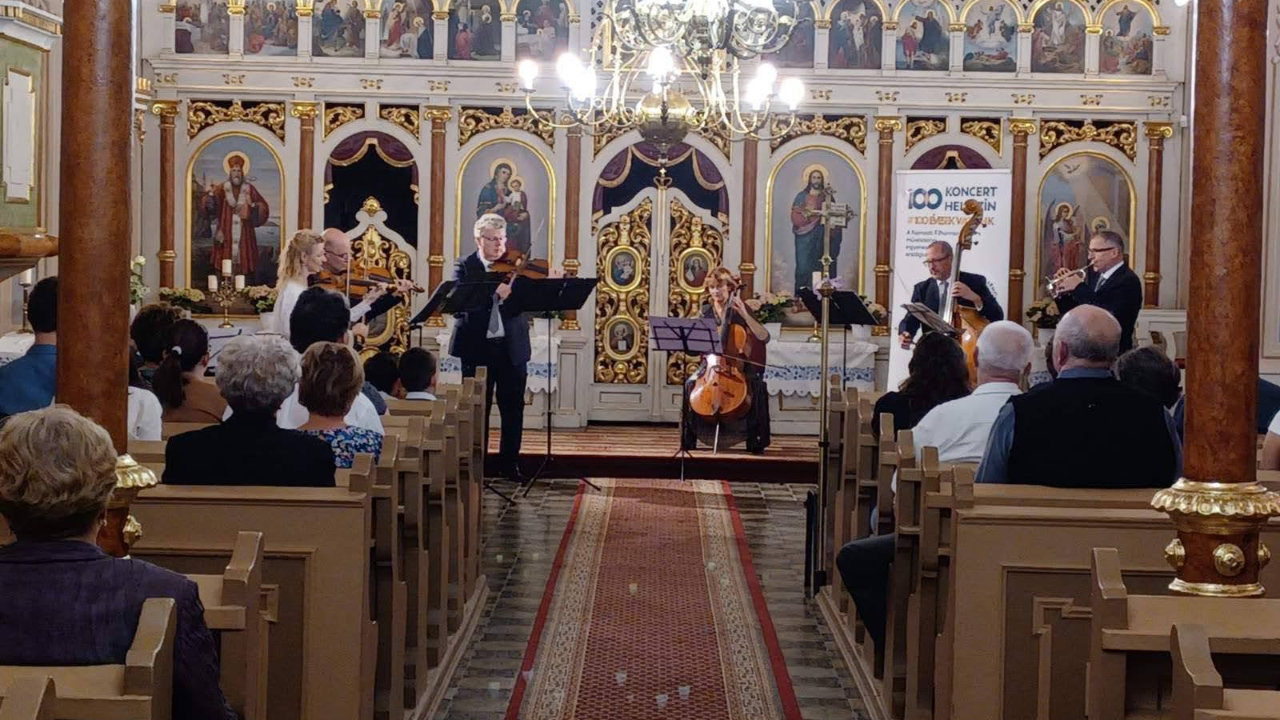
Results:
[752, 429]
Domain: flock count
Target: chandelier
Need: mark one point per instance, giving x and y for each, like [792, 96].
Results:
[668, 67]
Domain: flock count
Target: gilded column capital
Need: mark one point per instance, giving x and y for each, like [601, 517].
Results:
[958, 27]
[1160, 31]
[888, 124]
[507, 17]
[167, 111]
[235, 10]
[168, 7]
[822, 24]
[438, 115]
[305, 110]
[373, 14]
[1022, 126]
[440, 15]
[1158, 129]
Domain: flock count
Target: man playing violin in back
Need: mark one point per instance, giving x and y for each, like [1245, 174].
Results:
[337, 264]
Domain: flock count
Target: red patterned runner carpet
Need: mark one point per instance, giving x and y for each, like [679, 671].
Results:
[653, 609]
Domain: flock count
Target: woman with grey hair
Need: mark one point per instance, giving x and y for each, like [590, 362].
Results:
[65, 602]
[255, 374]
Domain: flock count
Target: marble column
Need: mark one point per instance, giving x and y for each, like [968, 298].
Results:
[572, 212]
[886, 126]
[889, 45]
[1157, 133]
[955, 59]
[821, 43]
[439, 117]
[1218, 507]
[167, 111]
[508, 29]
[306, 112]
[305, 18]
[168, 19]
[750, 168]
[440, 48]
[1024, 47]
[372, 34]
[1092, 41]
[235, 32]
[1021, 129]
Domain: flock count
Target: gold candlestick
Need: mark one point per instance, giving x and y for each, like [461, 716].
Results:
[225, 293]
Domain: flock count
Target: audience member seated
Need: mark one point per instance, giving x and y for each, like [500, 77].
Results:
[936, 374]
[1048, 361]
[382, 371]
[1271, 446]
[1151, 372]
[150, 332]
[418, 374]
[255, 375]
[331, 381]
[30, 382]
[143, 407]
[65, 602]
[1086, 428]
[958, 429]
[179, 382]
[1268, 409]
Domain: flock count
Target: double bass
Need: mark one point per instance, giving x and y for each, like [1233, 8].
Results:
[722, 393]
[967, 321]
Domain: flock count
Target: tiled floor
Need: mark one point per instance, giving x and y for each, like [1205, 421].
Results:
[521, 544]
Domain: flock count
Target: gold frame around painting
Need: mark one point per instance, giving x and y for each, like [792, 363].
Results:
[767, 266]
[711, 265]
[553, 195]
[186, 231]
[635, 333]
[608, 268]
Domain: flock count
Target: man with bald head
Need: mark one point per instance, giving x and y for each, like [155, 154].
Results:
[337, 261]
[1086, 428]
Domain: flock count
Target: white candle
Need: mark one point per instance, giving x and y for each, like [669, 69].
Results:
[226, 267]
[28, 277]
[239, 282]
[213, 283]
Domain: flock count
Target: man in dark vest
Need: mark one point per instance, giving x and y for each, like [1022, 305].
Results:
[1108, 283]
[1085, 429]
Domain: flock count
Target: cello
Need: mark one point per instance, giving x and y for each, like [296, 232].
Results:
[722, 393]
[967, 321]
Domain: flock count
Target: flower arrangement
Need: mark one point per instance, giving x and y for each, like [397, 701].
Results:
[876, 309]
[1044, 313]
[189, 299]
[770, 307]
[137, 288]
[262, 297]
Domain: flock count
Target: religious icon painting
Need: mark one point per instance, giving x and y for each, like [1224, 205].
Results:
[271, 27]
[856, 35]
[924, 40]
[1126, 45]
[624, 265]
[475, 30]
[542, 29]
[337, 28]
[406, 30]
[695, 264]
[1080, 194]
[511, 179]
[201, 26]
[622, 336]
[991, 37]
[1058, 38]
[798, 52]
[795, 232]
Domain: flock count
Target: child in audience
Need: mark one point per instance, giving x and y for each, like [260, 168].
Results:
[418, 374]
[143, 409]
[331, 381]
[383, 372]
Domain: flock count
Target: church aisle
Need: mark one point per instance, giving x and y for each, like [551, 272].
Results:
[523, 541]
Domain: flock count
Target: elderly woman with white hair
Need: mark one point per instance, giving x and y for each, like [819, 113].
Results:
[255, 375]
[65, 601]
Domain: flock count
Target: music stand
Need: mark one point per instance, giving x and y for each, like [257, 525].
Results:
[847, 309]
[692, 336]
[930, 319]
[548, 296]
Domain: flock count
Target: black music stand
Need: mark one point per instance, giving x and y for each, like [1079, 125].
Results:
[929, 319]
[692, 336]
[549, 296]
[847, 309]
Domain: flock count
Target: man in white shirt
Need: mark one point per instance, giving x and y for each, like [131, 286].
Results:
[959, 430]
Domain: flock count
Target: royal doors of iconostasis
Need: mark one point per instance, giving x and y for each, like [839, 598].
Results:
[656, 240]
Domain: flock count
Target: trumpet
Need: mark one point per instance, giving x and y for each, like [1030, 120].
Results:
[1063, 275]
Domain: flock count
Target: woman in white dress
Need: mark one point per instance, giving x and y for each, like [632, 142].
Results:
[303, 258]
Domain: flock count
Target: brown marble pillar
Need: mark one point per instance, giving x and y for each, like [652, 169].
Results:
[750, 166]
[1218, 507]
[1021, 129]
[572, 213]
[167, 111]
[306, 112]
[1157, 133]
[886, 126]
[439, 117]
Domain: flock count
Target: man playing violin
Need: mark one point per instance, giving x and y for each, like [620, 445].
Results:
[970, 289]
[377, 300]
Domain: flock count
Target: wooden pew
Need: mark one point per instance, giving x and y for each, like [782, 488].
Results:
[318, 543]
[390, 596]
[1127, 630]
[141, 688]
[831, 499]
[1198, 692]
[30, 697]
[455, 510]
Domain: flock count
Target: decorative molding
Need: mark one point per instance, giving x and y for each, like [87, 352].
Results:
[1120, 134]
[506, 88]
[1156, 129]
[45, 24]
[303, 82]
[718, 138]
[1160, 30]
[406, 116]
[1158, 101]
[957, 27]
[207, 113]
[1023, 98]
[304, 109]
[849, 128]
[823, 94]
[233, 78]
[1091, 100]
[890, 96]
[371, 83]
[919, 129]
[166, 110]
[888, 124]
[1022, 126]
[986, 130]
[144, 86]
[957, 97]
[167, 79]
[335, 116]
[438, 86]
[140, 125]
[822, 24]
[473, 121]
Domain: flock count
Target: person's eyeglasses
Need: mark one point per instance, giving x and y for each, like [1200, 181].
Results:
[1099, 251]
[929, 263]
[342, 256]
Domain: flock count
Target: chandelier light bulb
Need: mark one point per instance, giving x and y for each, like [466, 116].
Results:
[757, 92]
[661, 63]
[584, 86]
[569, 68]
[791, 92]
[767, 74]
[528, 71]
[1181, 3]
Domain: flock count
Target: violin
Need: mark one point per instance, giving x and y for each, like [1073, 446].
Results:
[357, 281]
[515, 264]
[968, 322]
[722, 392]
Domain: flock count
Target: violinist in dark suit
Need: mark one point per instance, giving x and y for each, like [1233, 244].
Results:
[969, 290]
[496, 335]
[1108, 283]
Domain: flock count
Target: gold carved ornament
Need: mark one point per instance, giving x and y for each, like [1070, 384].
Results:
[473, 121]
[1120, 134]
[849, 128]
[603, 138]
[372, 251]
[406, 117]
[887, 125]
[627, 304]
[1158, 130]
[305, 110]
[202, 114]
[988, 131]
[920, 129]
[689, 236]
[1221, 509]
[140, 125]
[335, 116]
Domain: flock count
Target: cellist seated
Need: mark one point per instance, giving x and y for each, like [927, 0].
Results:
[732, 319]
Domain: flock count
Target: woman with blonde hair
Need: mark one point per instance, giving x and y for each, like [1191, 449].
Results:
[302, 258]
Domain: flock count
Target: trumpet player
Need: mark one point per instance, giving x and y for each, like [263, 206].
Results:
[1107, 282]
